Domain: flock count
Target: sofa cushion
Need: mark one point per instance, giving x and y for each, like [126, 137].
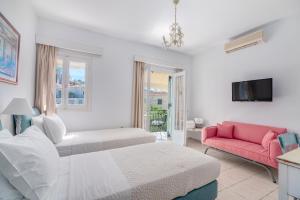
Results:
[251, 132]
[224, 131]
[268, 138]
[241, 148]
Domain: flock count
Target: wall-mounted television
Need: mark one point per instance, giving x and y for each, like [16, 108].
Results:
[254, 90]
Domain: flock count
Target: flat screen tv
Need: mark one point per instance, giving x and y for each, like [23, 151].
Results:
[254, 90]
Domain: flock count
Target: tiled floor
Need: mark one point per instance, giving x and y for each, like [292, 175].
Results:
[240, 180]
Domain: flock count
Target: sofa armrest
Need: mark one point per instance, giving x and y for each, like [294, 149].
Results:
[208, 132]
[274, 149]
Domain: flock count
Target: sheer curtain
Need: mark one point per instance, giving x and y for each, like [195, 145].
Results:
[45, 79]
[138, 94]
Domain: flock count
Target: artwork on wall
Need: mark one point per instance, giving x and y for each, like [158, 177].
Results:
[9, 51]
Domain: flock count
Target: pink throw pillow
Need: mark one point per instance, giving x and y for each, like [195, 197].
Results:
[268, 138]
[225, 131]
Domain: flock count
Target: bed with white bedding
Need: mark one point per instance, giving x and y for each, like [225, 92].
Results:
[98, 140]
[161, 171]
[70, 143]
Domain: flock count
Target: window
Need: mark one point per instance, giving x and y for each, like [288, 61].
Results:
[72, 80]
[159, 101]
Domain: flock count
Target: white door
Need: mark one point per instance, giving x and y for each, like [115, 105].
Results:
[178, 108]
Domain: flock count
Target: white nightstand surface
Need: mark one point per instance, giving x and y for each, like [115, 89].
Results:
[194, 129]
[291, 158]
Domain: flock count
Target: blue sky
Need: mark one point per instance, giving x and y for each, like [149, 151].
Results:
[77, 74]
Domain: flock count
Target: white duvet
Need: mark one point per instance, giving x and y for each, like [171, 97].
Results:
[155, 171]
[98, 140]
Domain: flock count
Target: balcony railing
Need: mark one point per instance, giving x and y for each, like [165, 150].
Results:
[158, 120]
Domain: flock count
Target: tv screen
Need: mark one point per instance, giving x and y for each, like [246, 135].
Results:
[254, 90]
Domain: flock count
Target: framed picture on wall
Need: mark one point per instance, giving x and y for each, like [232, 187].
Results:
[9, 51]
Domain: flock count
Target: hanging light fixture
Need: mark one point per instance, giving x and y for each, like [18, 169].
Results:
[176, 34]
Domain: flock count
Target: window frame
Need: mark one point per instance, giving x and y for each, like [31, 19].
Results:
[68, 56]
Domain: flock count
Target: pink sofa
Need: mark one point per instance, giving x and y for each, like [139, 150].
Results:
[246, 142]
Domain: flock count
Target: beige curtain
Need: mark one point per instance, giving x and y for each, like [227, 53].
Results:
[45, 79]
[138, 95]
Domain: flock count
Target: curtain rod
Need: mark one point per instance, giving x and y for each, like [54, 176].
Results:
[69, 45]
[156, 62]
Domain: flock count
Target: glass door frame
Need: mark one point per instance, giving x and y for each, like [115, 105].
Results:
[149, 68]
[173, 73]
[173, 92]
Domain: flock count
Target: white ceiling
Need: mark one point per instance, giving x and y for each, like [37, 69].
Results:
[204, 22]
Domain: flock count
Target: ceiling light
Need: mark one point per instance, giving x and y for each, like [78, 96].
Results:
[176, 34]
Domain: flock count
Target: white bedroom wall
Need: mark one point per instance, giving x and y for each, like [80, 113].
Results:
[111, 74]
[21, 15]
[279, 58]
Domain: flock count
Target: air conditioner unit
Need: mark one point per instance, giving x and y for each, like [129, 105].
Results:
[244, 41]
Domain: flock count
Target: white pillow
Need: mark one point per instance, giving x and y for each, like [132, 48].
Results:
[38, 121]
[5, 134]
[55, 128]
[30, 162]
[7, 191]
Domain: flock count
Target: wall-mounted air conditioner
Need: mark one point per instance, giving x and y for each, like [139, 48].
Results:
[244, 41]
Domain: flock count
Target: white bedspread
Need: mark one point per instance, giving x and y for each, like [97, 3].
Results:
[98, 140]
[156, 171]
[97, 176]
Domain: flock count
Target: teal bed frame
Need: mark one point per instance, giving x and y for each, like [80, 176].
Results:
[206, 192]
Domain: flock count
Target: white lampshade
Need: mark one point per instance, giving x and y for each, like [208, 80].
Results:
[18, 106]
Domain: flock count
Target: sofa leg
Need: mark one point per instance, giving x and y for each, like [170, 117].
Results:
[206, 150]
[268, 169]
[271, 173]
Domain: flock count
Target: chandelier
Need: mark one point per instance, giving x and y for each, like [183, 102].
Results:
[175, 35]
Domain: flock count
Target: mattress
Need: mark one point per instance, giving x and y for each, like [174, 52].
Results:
[161, 171]
[98, 140]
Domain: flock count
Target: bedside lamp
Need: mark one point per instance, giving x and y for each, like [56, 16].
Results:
[18, 107]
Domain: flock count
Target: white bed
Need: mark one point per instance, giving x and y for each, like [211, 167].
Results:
[161, 171]
[98, 140]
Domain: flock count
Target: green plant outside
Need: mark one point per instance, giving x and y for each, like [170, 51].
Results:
[158, 119]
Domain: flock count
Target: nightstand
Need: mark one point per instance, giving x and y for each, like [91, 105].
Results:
[194, 133]
[289, 174]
